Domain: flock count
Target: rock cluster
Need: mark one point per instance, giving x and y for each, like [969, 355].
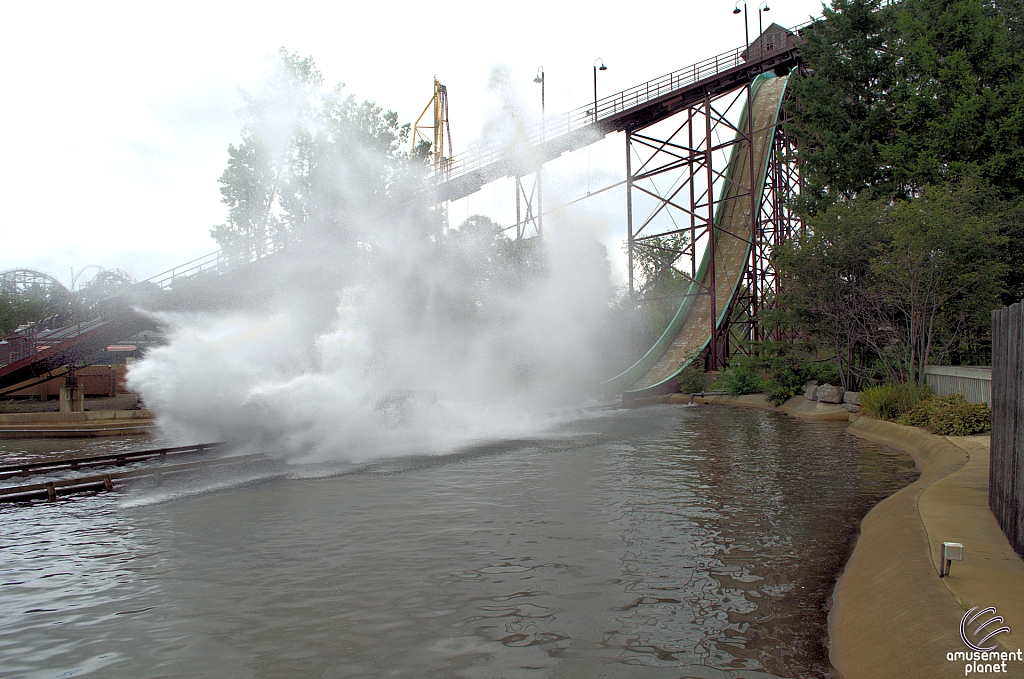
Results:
[827, 393]
[811, 390]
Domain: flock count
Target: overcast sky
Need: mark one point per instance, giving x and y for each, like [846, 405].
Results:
[117, 116]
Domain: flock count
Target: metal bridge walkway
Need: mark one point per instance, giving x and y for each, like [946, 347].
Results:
[634, 108]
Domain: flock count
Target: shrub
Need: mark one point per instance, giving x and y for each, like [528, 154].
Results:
[691, 380]
[888, 401]
[949, 416]
[740, 379]
[785, 380]
[825, 373]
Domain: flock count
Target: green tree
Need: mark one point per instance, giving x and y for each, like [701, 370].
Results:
[20, 305]
[900, 97]
[900, 283]
[828, 280]
[660, 284]
[839, 110]
[956, 98]
[249, 187]
[345, 164]
[308, 163]
[935, 280]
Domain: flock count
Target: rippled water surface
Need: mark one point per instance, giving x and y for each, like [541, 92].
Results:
[668, 541]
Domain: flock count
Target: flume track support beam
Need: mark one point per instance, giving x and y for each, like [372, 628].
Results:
[776, 223]
[678, 180]
[528, 208]
[689, 178]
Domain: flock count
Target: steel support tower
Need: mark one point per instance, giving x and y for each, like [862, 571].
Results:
[677, 181]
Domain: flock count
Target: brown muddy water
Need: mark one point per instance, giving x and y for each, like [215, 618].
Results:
[668, 541]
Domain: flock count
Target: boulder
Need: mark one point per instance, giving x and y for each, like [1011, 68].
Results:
[829, 394]
[852, 407]
[811, 390]
[852, 397]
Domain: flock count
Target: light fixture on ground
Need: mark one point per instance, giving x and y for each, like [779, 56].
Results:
[951, 551]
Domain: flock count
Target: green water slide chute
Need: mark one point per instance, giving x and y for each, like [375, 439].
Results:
[683, 319]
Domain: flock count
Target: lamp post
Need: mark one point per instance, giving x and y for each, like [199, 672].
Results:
[596, 69]
[539, 79]
[763, 7]
[746, 28]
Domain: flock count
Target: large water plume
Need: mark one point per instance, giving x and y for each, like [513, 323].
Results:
[382, 332]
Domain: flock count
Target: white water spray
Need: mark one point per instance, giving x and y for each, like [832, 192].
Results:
[385, 335]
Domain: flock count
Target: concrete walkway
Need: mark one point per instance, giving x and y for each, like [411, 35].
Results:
[892, 615]
[955, 509]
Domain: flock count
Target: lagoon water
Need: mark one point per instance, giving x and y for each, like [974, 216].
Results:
[668, 541]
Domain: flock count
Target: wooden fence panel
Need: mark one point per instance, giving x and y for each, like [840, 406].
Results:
[1006, 466]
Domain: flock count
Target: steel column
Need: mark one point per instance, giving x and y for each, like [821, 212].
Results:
[712, 287]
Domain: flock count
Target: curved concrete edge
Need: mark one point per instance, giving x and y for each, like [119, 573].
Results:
[891, 614]
[798, 406]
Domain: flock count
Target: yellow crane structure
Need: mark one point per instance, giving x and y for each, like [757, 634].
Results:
[432, 137]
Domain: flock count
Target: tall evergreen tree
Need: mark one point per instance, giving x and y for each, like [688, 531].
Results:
[839, 109]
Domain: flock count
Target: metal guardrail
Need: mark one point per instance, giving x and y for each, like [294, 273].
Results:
[214, 262]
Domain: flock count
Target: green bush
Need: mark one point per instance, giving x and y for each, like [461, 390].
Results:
[889, 401]
[825, 373]
[785, 380]
[949, 416]
[691, 380]
[740, 379]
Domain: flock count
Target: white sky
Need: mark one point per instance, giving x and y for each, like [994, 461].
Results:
[117, 116]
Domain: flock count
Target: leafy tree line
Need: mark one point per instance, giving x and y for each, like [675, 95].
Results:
[18, 307]
[911, 121]
[309, 161]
